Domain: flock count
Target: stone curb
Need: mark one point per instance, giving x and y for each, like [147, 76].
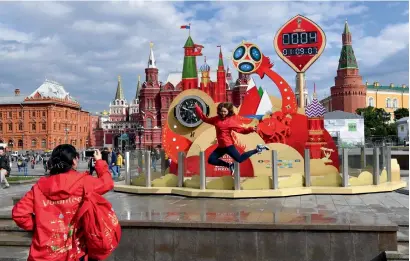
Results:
[28, 181]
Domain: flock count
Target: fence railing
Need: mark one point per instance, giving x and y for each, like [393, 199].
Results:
[353, 162]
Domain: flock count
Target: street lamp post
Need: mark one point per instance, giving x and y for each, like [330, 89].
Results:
[140, 131]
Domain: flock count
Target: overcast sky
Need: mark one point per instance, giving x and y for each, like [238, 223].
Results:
[86, 45]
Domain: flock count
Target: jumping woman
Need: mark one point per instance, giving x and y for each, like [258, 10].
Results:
[225, 122]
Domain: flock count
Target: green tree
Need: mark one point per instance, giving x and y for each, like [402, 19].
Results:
[401, 113]
[376, 122]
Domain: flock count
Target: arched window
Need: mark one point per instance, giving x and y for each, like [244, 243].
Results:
[388, 103]
[395, 103]
[33, 143]
[1, 141]
[149, 123]
[43, 143]
[20, 143]
[59, 141]
[371, 101]
[11, 143]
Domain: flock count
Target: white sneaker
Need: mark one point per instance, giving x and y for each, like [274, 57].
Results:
[6, 186]
[261, 147]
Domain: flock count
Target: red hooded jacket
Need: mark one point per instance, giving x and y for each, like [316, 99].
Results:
[224, 127]
[48, 208]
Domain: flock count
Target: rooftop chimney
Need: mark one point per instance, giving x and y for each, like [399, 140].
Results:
[17, 92]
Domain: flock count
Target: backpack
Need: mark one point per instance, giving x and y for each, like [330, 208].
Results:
[101, 230]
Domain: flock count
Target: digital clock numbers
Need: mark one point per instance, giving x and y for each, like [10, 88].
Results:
[299, 38]
[299, 51]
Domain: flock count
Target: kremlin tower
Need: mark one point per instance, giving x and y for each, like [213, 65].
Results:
[315, 113]
[189, 71]
[220, 90]
[349, 92]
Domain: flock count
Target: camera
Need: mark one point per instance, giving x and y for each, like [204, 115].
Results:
[89, 153]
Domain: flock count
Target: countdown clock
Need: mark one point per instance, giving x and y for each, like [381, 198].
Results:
[185, 111]
[299, 43]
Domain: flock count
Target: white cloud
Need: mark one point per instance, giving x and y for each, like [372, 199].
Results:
[49, 8]
[9, 34]
[371, 51]
[90, 26]
[89, 44]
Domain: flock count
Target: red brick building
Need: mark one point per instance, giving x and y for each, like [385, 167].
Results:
[42, 120]
[150, 105]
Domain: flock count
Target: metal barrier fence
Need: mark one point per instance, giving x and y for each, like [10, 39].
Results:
[352, 161]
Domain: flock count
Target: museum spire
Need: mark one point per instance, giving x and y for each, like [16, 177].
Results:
[137, 94]
[119, 95]
[151, 59]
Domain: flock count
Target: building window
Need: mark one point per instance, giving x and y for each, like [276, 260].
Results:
[20, 143]
[20, 126]
[44, 114]
[1, 115]
[371, 102]
[10, 126]
[19, 114]
[43, 126]
[59, 141]
[352, 126]
[394, 103]
[10, 114]
[34, 114]
[388, 103]
[33, 143]
[43, 143]
[1, 127]
[149, 123]
[33, 126]
[55, 126]
[66, 114]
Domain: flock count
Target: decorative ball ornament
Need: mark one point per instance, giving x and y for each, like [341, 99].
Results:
[185, 111]
[247, 57]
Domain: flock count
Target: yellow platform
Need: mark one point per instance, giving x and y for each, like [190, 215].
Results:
[211, 193]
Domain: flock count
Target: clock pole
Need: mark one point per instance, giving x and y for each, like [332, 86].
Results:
[300, 85]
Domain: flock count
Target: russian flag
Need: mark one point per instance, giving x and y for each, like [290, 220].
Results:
[185, 26]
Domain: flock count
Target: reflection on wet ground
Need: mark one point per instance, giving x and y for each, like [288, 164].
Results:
[377, 209]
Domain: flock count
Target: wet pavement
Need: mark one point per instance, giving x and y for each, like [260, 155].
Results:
[377, 208]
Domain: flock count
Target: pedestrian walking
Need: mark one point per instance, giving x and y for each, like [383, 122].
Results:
[4, 168]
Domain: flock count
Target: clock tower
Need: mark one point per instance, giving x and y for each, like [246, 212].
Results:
[349, 92]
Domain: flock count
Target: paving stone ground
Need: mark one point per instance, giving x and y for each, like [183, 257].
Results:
[374, 208]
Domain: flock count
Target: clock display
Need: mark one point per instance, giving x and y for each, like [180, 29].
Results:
[185, 111]
[299, 51]
[299, 38]
[299, 43]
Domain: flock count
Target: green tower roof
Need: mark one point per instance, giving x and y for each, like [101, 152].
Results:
[347, 58]
[189, 70]
[189, 42]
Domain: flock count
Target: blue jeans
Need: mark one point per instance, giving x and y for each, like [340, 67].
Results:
[214, 158]
[114, 170]
[154, 164]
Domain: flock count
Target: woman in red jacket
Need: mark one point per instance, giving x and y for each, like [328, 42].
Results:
[49, 207]
[225, 123]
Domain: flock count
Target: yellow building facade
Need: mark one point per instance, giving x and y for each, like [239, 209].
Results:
[389, 98]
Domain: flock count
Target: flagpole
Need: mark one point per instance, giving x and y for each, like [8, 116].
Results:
[189, 30]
